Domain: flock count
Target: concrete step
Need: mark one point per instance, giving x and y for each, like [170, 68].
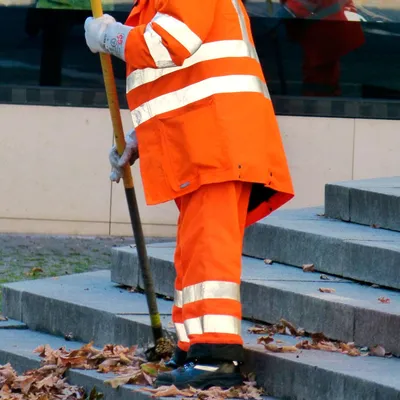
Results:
[271, 292]
[374, 202]
[298, 237]
[12, 324]
[91, 307]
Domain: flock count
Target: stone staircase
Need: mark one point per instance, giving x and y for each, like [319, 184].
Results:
[354, 245]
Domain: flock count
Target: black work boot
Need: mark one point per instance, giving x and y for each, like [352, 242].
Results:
[202, 376]
[177, 360]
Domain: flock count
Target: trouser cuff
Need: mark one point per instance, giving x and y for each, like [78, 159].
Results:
[215, 352]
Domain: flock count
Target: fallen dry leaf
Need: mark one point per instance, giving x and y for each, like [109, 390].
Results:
[7, 375]
[353, 353]
[268, 261]
[167, 391]
[23, 383]
[3, 318]
[324, 277]
[327, 346]
[172, 389]
[384, 300]
[121, 380]
[319, 337]
[377, 351]
[153, 369]
[304, 344]
[259, 329]
[280, 349]
[265, 339]
[291, 327]
[346, 347]
[301, 332]
[308, 268]
[327, 290]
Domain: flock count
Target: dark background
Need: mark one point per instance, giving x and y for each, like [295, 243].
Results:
[46, 48]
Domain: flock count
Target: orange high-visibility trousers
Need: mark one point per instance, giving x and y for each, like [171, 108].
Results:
[207, 309]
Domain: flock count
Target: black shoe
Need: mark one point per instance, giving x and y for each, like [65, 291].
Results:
[177, 360]
[201, 376]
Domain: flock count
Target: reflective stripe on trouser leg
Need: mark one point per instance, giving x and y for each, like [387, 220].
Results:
[178, 321]
[177, 316]
[211, 246]
[208, 290]
[225, 324]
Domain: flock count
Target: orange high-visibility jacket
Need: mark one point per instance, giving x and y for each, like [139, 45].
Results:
[200, 104]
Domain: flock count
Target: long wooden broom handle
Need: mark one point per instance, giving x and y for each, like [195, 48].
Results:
[113, 104]
[112, 98]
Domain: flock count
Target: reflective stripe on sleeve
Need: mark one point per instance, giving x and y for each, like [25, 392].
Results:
[179, 30]
[158, 51]
[208, 51]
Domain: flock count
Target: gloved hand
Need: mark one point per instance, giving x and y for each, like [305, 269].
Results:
[130, 155]
[95, 29]
[105, 35]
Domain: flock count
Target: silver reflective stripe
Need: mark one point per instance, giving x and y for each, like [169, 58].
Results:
[208, 368]
[211, 290]
[195, 92]
[242, 21]
[179, 30]
[178, 301]
[208, 51]
[245, 33]
[213, 324]
[156, 48]
[181, 332]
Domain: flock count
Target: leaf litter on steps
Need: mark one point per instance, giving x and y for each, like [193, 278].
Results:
[48, 382]
[317, 341]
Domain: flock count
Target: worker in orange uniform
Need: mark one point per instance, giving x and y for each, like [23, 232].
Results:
[207, 136]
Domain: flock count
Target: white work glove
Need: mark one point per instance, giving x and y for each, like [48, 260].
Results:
[105, 35]
[130, 155]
